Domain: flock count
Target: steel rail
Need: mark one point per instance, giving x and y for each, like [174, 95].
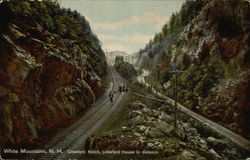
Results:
[68, 145]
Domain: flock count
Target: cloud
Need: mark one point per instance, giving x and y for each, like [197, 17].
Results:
[115, 47]
[137, 38]
[104, 37]
[129, 48]
[145, 18]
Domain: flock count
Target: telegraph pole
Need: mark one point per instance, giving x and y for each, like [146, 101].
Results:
[156, 79]
[157, 76]
[175, 91]
[175, 102]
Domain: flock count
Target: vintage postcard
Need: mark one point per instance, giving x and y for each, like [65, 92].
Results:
[125, 79]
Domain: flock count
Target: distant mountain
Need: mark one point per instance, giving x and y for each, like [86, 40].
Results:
[210, 42]
[117, 53]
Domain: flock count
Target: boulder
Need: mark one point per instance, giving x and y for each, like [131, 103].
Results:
[136, 113]
[142, 128]
[146, 110]
[137, 120]
[180, 134]
[154, 132]
[213, 155]
[165, 117]
[202, 144]
[137, 134]
[188, 155]
[136, 105]
[217, 143]
[164, 127]
[169, 152]
[154, 113]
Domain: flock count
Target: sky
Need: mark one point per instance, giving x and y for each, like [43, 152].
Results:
[125, 25]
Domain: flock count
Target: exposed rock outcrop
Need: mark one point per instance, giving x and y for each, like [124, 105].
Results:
[126, 69]
[213, 50]
[45, 79]
[148, 131]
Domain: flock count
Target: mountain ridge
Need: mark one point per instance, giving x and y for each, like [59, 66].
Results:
[212, 47]
[52, 70]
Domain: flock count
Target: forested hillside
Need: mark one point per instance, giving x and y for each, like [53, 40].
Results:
[126, 69]
[209, 41]
[51, 70]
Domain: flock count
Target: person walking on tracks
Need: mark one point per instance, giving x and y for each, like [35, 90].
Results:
[125, 88]
[120, 88]
[111, 95]
[87, 145]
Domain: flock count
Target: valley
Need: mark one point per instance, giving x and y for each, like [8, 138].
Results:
[74, 86]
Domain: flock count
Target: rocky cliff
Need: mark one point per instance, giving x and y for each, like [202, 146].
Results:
[212, 48]
[51, 67]
[126, 69]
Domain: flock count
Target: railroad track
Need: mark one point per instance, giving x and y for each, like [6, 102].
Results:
[233, 137]
[75, 134]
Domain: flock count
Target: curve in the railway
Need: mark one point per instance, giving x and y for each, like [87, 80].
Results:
[68, 140]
